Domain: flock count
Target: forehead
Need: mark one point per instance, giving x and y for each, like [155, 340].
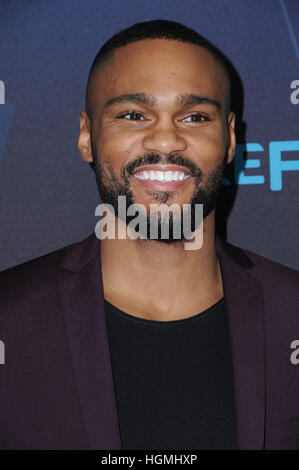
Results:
[162, 68]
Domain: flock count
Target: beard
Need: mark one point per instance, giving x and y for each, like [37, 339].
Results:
[110, 187]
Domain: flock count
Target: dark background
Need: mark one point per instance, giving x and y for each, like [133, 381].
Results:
[48, 195]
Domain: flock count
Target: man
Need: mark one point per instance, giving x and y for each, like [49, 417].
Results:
[139, 343]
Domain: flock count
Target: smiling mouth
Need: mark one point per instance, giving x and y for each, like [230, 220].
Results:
[162, 178]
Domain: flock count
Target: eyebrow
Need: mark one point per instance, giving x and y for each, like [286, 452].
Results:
[181, 100]
[132, 98]
[185, 100]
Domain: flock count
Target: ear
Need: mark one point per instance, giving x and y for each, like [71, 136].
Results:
[84, 144]
[232, 137]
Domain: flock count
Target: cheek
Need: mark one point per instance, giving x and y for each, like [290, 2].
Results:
[116, 136]
[117, 146]
[208, 148]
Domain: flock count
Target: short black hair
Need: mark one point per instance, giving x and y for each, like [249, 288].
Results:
[155, 29]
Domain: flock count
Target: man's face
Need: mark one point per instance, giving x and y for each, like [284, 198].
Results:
[159, 129]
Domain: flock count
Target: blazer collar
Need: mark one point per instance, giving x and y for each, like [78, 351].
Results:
[245, 308]
[82, 304]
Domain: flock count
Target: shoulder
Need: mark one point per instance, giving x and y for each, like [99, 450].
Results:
[41, 264]
[35, 278]
[264, 270]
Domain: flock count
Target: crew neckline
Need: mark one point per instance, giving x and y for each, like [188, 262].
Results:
[197, 316]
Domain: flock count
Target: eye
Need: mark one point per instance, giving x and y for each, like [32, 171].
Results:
[196, 117]
[133, 116]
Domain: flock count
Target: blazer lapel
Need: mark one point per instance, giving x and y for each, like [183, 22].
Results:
[244, 300]
[82, 304]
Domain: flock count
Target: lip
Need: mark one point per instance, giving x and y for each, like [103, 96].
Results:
[165, 185]
[162, 186]
[162, 168]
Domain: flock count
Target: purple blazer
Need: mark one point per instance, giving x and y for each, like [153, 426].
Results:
[56, 385]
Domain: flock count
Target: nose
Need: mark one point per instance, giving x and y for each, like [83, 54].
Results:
[164, 139]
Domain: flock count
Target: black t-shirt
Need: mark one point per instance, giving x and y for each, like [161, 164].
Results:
[173, 380]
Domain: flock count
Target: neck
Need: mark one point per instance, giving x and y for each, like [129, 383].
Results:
[158, 281]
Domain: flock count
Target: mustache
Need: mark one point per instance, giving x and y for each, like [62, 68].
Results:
[156, 158]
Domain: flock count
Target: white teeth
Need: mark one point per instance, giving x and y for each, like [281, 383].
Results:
[164, 176]
[168, 175]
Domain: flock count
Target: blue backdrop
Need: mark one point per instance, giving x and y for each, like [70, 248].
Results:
[48, 194]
